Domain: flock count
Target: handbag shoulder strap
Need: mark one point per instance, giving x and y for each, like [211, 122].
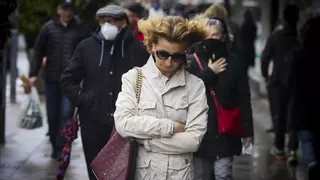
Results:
[138, 84]
[201, 67]
[198, 60]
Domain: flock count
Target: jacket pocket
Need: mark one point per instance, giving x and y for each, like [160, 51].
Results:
[147, 108]
[89, 107]
[177, 110]
[181, 167]
[142, 166]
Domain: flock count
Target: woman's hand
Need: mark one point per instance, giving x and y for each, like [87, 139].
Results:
[178, 127]
[217, 66]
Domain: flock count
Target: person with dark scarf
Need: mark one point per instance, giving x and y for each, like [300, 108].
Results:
[224, 73]
[97, 65]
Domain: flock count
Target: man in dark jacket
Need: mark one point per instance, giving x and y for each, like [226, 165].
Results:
[57, 41]
[305, 95]
[99, 62]
[278, 47]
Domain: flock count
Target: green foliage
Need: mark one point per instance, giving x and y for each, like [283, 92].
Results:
[34, 13]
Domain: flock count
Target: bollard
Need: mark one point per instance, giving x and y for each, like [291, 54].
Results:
[3, 79]
[13, 64]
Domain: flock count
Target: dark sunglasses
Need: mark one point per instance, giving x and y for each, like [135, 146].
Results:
[176, 57]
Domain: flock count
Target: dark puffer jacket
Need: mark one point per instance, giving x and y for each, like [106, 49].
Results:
[56, 42]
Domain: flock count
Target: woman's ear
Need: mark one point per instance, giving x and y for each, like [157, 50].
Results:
[153, 48]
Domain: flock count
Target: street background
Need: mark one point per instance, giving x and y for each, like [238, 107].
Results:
[26, 153]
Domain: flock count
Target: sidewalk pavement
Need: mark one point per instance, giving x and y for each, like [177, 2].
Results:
[26, 153]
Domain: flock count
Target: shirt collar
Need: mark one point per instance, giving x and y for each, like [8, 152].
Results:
[150, 70]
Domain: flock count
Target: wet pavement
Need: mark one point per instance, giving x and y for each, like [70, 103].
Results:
[261, 166]
[26, 154]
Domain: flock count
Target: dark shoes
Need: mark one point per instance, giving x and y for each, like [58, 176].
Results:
[281, 155]
[278, 154]
[292, 158]
[314, 173]
[56, 153]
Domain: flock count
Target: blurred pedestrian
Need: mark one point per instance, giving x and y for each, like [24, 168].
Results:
[305, 98]
[98, 63]
[218, 10]
[224, 74]
[177, 9]
[56, 41]
[248, 37]
[135, 11]
[278, 47]
[156, 9]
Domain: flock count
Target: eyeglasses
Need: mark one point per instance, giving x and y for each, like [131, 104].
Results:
[176, 57]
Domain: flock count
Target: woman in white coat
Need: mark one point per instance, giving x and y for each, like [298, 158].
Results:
[170, 119]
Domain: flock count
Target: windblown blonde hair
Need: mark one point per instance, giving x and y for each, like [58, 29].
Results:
[216, 10]
[173, 29]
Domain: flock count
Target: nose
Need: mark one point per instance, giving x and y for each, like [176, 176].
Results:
[168, 61]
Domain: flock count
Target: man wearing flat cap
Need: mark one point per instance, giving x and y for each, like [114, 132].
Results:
[99, 62]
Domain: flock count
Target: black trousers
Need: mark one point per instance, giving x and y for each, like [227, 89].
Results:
[94, 138]
[282, 120]
[273, 98]
[59, 111]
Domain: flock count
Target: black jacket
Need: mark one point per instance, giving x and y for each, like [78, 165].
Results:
[100, 64]
[304, 90]
[57, 43]
[248, 37]
[278, 47]
[232, 90]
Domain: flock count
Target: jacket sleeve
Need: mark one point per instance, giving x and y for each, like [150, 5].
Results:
[266, 56]
[128, 123]
[72, 77]
[244, 99]
[293, 72]
[206, 75]
[39, 51]
[195, 127]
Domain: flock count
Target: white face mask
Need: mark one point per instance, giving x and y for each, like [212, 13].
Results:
[109, 31]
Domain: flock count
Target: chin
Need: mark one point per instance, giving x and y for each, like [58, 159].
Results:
[168, 70]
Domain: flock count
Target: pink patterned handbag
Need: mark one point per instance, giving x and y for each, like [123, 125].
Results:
[117, 160]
